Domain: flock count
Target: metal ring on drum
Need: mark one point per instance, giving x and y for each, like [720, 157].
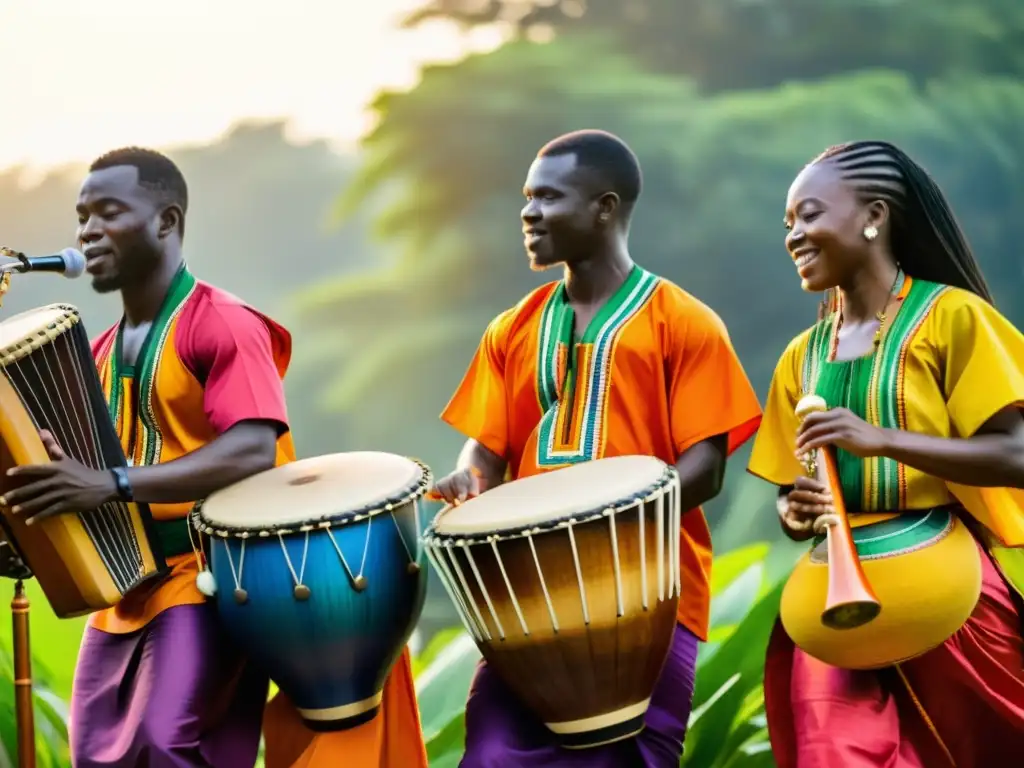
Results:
[317, 569]
[925, 567]
[569, 583]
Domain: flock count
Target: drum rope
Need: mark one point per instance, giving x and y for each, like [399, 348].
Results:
[579, 575]
[543, 584]
[659, 544]
[195, 540]
[355, 577]
[366, 547]
[642, 522]
[508, 586]
[485, 593]
[675, 494]
[235, 575]
[465, 586]
[619, 610]
[297, 577]
[341, 556]
[673, 543]
[398, 529]
[109, 528]
[446, 582]
[454, 594]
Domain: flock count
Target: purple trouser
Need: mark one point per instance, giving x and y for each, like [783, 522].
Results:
[175, 694]
[502, 733]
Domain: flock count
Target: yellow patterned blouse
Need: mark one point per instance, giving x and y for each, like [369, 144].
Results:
[947, 363]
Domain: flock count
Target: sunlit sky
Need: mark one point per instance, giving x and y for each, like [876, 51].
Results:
[79, 77]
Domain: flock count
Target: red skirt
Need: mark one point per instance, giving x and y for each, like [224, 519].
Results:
[960, 705]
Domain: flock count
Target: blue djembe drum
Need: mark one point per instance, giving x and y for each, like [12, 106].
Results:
[318, 575]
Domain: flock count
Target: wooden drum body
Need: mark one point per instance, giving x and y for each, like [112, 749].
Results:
[925, 568]
[569, 583]
[319, 578]
[83, 562]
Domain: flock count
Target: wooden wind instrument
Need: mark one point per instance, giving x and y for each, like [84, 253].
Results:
[851, 602]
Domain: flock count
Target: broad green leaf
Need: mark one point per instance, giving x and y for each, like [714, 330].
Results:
[437, 644]
[443, 686]
[731, 604]
[743, 653]
[449, 743]
[711, 722]
[732, 565]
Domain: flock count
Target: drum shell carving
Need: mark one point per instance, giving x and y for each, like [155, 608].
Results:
[925, 569]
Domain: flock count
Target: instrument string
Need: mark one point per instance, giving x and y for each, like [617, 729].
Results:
[58, 401]
[75, 443]
[124, 518]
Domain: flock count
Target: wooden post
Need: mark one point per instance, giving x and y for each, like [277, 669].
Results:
[23, 705]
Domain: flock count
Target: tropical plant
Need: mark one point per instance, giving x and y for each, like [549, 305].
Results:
[450, 156]
[727, 727]
[50, 713]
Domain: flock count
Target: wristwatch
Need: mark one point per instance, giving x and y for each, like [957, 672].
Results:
[124, 487]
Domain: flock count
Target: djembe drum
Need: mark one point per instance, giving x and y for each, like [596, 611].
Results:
[88, 561]
[569, 583]
[317, 571]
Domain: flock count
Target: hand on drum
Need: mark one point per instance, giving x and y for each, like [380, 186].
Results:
[455, 488]
[62, 486]
[802, 507]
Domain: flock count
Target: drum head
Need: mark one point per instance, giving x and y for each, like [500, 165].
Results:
[314, 490]
[551, 496]
[23, 327]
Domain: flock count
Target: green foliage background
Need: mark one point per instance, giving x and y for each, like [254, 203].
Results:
[388, 263]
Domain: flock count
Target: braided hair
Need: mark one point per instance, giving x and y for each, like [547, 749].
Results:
[925, 237]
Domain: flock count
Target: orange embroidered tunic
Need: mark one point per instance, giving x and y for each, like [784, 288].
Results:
[654, 373]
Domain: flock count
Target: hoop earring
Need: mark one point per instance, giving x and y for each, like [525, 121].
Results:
[870, 233]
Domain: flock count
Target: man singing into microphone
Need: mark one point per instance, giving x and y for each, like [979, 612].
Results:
[193, 378]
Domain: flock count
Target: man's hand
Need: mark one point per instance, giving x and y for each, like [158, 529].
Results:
[63, 486]
[455, 488]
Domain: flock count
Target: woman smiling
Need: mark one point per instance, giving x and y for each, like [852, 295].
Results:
[924, 381]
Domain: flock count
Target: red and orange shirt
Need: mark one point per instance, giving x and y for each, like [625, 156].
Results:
[208, 363]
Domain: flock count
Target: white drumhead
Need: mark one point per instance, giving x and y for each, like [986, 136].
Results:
[550, 496]
[312, 490]
[25, 325]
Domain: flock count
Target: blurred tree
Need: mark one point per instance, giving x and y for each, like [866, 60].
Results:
[259, 226]
[451, 155]
[258, 219]
[725, 44]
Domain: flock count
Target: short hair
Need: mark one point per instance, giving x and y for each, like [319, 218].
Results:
[604, 153]
[926, 239]
[157, 173]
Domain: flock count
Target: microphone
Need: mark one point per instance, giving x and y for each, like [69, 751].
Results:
[69, 262]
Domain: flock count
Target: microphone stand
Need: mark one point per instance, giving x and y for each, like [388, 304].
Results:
[22, 652]
[21, 265]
